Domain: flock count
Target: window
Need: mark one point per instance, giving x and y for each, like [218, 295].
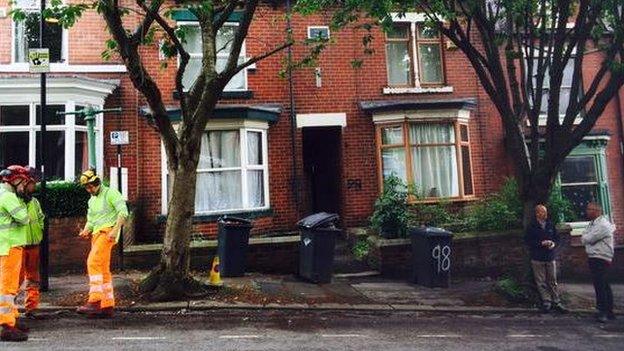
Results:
[318, 32]
[193, 46]
[414, 56]
[583, 179]
[26, 34]
[565, 90]
[429, 156]
[232, 174]
[65, 143]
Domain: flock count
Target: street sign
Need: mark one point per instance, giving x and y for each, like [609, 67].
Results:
[120, 138]
[39, 60]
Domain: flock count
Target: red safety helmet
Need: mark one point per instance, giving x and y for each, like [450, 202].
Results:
[15, 172]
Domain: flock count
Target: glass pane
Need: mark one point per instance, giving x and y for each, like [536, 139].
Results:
[14, 148]
[318, 33]
[193, 43]
[220, 149]
[393, 163]
[392, 135]
[463, 129]
[564, 99]
[255, 186]
[55, 154]
[238, 81]
[580, 196]
[425, 32]
[27, 36]
[465, 151]
[14, 116]
[192, 72]
[81, 153]
[398, 63]
[398, 32]
[225, 37]
[430, 63]
[51, 116]
[254, 148]
[578, 170]
[218, 191]
[435, 171]
[431, 133]
[80, 120]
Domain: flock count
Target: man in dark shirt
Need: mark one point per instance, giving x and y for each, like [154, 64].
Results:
[542, 239]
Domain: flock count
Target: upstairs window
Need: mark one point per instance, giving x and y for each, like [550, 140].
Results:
[193, 46]
[26, 34]
[414, 56]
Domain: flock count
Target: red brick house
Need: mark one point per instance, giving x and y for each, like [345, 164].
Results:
[414, 108]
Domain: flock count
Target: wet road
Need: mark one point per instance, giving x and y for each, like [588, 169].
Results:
[272, 330]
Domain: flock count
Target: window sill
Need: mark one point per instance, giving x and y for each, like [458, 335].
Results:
[239, 94]
[65, 68]
[211, 218]
[442, 200]
[416, 90]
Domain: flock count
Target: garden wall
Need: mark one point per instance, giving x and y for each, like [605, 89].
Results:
[487, 254]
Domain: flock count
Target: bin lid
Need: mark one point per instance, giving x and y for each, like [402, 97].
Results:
[234, 220]
[318, 220]
[430, 231]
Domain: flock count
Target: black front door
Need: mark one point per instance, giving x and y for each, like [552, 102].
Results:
[321, 162]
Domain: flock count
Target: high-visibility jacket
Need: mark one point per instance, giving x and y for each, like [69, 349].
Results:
[13, 220]
[34, 230]
[105, 208]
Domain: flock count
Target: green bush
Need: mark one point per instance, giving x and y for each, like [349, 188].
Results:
[361, 249]
[430, 214]
[493, 214]
[64, 199]
[390, 216]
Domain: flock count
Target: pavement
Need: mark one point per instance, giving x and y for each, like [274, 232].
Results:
[322, 330]
[362, 292]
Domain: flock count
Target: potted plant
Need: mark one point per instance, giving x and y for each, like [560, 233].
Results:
[391, 215]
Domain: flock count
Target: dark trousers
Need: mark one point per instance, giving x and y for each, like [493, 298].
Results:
[604, 295]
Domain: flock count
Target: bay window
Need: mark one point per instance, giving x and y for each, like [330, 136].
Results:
[432, 157]
[65, 143]
[232, 174]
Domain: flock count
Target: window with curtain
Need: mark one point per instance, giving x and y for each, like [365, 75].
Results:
[26, 33]
[565, 91]
[193, 46]
[434, 158]
[232, 171]
[20, 135]
[407, 67]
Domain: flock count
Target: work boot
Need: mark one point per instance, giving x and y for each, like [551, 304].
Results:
[12, 334]
[21, 324]
[106, 312]
[559, 308]
[89, 308]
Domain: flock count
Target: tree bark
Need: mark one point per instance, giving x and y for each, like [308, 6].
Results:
[171, 280]
[534, 190]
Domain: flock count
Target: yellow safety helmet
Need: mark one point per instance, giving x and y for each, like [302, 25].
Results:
[89, 176]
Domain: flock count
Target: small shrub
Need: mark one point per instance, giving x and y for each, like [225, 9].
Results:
[515, 291]
[493, 214]
[391, 215]
[430, 214]
[64, 199]
[361, 249]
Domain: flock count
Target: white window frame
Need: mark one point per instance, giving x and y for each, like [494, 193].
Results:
[242, 128]
[243, 54]
[69, 128]
[64, 44]
[310, 28]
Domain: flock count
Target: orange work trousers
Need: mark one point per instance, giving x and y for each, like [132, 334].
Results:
[10, 266]
[98, 268]
[30, 275]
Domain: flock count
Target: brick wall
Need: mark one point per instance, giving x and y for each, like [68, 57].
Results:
[68, 252]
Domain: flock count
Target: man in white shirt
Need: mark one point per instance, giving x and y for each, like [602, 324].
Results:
[598, 241]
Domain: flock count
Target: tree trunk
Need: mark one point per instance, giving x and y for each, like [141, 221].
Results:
[533, 192]
[170, 280]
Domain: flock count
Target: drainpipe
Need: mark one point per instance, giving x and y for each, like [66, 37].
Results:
[293, 115]
[620, 121]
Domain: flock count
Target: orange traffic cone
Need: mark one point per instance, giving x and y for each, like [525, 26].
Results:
[215, 276]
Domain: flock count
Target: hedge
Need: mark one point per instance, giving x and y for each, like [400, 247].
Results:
[64, 199]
